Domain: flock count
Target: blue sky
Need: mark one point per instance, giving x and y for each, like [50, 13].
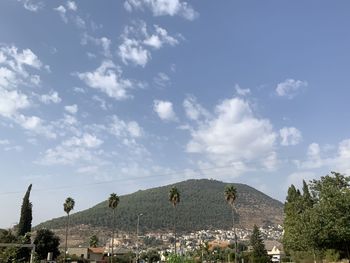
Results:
[115, 96]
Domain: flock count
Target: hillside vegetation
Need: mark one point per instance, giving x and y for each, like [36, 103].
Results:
[202, 206]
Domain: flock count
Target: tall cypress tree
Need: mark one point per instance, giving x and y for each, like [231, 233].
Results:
[25, 221]
[25, 226]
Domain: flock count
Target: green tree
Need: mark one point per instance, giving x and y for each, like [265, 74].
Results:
[230, 194]
[25, 225]
[332, 193]
[174, 198]
[68, 206]
[25, 221]
[318, 220]
[113, 202]
[93, 241]
[8, 254]
[151, 256]
[46, 241]
[259, 253]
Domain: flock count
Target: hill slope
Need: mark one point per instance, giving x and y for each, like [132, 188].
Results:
[202, 206]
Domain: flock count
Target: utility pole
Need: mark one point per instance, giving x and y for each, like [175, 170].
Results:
[137, 238]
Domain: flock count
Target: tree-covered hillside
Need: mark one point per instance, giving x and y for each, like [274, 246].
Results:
[202, 206]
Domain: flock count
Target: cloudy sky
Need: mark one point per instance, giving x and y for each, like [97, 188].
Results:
[115, 96]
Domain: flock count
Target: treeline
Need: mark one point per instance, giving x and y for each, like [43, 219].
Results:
[317, 220]
[202, 202]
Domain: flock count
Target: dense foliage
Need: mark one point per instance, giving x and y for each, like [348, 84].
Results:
[259, 253]
[25, 226]
[201, 203]
[25, 221]
[46, 241]
[317, 221]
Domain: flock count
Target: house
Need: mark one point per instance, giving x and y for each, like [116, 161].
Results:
[94, 255]
[274, 250]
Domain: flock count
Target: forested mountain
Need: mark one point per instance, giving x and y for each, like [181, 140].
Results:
[202, 206]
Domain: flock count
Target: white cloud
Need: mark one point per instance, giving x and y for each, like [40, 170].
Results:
[290, 136]
[193, 109]
[342, 159]
[163, 7]
[4, 142]
[242, 92]
[136, 40]
[132, 51]
[14, 76]
[72, 109]
[159, 38]
[87, 141]
[290, 88]
[107, 78]
[88, 169]
[164, 109]
[62, 12]
[120, 128]
[35, 125]
[337, 161]
[71, 5]
[11, 102]
[51, 97]
[235, 134]
[31, 5]
[73, 151]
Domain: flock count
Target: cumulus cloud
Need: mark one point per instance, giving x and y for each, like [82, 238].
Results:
[290, 88]
[11, 102]
[132, 51]
[36, 125]
[120, 128]
[71, 5]
[290, 136]
[52, 97]
[107, 78]
[337, 159]
[235, 134]
[159, 38]
[14, 65]
[163, 7]
[164, 109]
[72, 109]
[73, 151]
[68, 13]
[137, 40]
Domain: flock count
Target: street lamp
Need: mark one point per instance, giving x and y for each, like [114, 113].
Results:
[137, 237]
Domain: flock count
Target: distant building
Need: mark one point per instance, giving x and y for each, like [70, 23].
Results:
[94, 255]
[274, 250]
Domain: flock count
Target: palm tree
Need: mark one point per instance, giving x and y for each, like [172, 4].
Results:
[113, 202]
[230, 196]
[174, 198]
[67, 207]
